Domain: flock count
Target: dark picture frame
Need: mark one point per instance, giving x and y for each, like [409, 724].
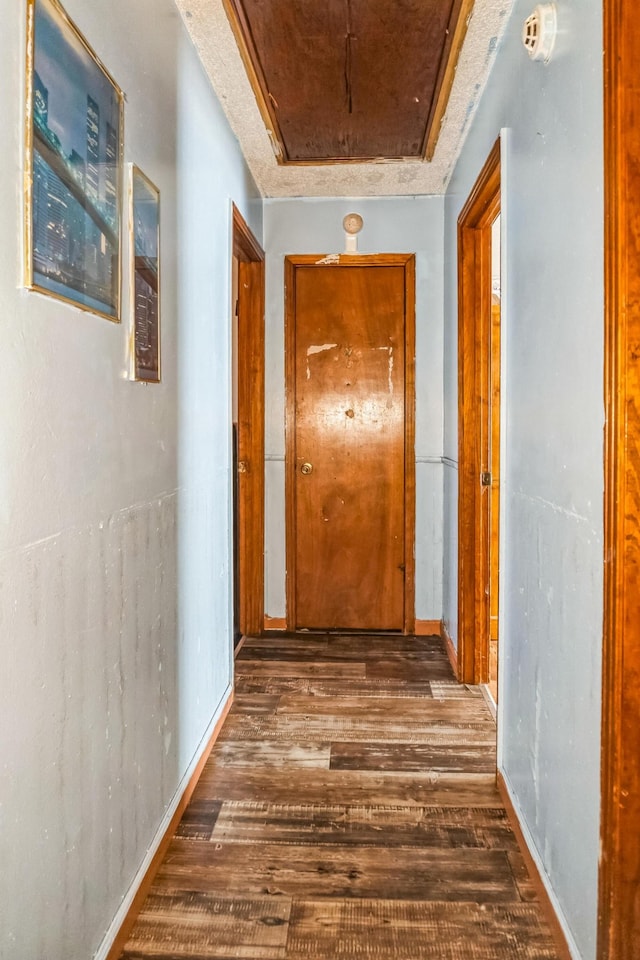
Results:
[74, 148]
[144, 242]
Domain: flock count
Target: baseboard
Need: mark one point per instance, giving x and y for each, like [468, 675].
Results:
[566, 945]
[239, 645]
[275, 623]
[490, 702]
[428, 628]
[122, 924]
[452, 653]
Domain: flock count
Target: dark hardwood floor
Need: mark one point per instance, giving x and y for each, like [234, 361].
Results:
[348, 810]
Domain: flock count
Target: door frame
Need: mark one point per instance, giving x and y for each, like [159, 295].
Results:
[251, 354]
[619, 913]
[474, 410]
[407, 261]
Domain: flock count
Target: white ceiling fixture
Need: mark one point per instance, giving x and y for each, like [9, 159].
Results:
[352, 225]
[214, 40]
[539, 32]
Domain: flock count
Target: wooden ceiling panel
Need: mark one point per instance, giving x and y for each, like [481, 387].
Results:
[342, 80]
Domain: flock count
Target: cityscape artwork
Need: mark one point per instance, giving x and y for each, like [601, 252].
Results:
[145, 281]
[75, 138]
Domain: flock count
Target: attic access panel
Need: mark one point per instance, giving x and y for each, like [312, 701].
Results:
[343, 80]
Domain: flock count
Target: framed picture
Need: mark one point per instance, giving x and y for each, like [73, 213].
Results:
[144, 241]
[74, 166]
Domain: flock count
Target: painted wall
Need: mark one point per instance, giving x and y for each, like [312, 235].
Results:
[552, 469]
[391, 225]
[114, 508]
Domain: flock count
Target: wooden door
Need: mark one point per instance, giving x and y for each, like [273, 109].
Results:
[249, 503]
[349, 407]
[478, 428]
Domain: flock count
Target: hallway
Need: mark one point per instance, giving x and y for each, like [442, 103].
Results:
[348, 809]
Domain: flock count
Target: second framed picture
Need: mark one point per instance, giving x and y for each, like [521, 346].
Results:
[144, 242]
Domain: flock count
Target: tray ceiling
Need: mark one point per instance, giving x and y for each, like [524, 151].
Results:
[347, 97]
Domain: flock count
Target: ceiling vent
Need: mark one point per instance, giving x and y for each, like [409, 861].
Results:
[539, 32]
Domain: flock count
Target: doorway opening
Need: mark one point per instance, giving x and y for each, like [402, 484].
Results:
[479, 427]
[350, 462]
[248, 429]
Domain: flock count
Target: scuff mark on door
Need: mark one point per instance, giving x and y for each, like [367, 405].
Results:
[319, 348]
[390, 349]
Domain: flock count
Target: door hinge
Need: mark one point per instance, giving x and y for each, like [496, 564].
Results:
[485, 479]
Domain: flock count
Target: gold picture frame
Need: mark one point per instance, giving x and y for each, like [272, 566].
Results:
[144, 259]
[73, 166]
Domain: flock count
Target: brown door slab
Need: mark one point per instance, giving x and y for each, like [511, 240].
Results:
[347, 446]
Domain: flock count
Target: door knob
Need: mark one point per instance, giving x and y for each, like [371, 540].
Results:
[306, 469]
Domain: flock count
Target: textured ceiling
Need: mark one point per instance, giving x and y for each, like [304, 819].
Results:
[211, 33]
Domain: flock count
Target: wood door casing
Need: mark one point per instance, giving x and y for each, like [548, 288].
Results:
[250, 506]
[350, 413]
[619, 897]
[494, 549]
[475, 337]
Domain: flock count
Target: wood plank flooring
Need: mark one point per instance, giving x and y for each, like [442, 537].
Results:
[348, 810]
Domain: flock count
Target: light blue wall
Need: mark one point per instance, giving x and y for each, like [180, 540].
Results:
[552, 469]
[391, 225]
[115, 548]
